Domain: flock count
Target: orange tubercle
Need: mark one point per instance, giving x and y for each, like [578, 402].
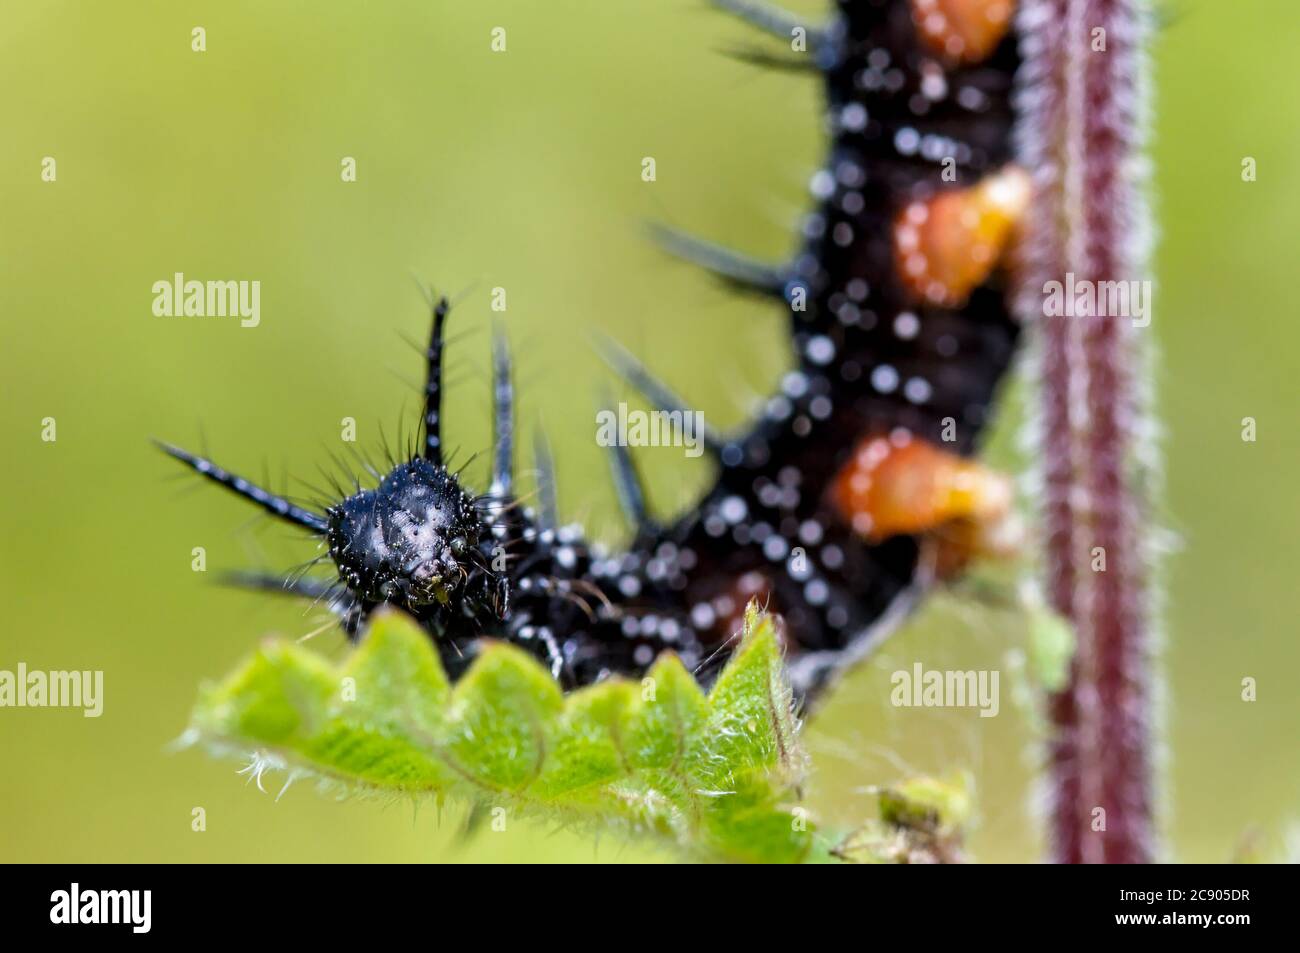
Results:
[903, 485]
[945, 246]
[951, 548]
[962, 31]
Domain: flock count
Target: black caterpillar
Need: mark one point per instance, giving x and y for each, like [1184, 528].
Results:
[869, 358]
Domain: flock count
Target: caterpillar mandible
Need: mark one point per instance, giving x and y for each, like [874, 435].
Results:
[849, 494]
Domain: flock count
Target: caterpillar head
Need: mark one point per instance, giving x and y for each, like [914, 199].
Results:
[412, 540]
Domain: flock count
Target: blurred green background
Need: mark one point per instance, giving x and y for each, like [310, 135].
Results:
[522, 169]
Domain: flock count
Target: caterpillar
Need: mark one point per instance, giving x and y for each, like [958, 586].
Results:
[850, 494]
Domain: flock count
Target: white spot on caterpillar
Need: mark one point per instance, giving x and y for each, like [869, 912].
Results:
[884, 379]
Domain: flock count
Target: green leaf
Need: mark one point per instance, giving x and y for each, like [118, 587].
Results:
[715, 776]
[1051, 647]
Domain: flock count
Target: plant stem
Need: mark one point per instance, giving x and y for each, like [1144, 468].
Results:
[1081, 97]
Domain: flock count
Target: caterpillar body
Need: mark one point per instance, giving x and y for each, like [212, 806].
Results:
[851, 492]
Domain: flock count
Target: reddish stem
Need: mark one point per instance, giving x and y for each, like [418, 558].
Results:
[1081, 93]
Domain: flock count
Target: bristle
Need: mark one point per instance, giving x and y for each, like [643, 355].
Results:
[277, 506]
[773, 20]
[627, 484]
[658, 393]
[434, 385]
[503, 422]
[548, 505]
[738, 270]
